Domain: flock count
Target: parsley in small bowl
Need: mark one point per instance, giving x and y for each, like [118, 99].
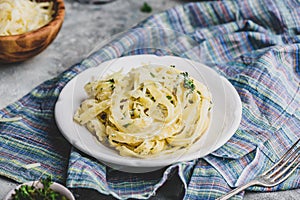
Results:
[43, 189]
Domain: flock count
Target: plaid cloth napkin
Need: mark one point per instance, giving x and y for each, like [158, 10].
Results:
[253, 43]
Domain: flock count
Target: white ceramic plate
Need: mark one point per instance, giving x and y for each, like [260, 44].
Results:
[226, 113]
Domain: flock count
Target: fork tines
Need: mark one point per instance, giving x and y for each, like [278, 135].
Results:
[287, 164]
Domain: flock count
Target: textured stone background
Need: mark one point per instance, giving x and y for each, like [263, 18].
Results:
[85, 26]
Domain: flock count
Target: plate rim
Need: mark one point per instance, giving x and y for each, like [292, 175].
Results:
[140, 162]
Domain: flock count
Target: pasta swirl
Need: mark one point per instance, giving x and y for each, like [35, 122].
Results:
[150, 111]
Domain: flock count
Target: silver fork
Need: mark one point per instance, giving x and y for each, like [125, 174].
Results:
[279, 172]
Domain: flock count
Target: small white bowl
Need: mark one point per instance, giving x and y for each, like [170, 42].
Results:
[54, 186]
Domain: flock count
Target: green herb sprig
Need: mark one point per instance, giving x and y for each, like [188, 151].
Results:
[188, 83]
[146, 8]
[30, 192]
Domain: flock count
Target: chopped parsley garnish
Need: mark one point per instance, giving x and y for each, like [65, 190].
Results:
[210, 105]
[146, 8]
[188, 83]
[31, 192]
[170, 98]
[111, 80]
[153, 76]
[126, 125]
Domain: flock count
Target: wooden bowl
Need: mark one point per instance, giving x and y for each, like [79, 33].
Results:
[17, 48]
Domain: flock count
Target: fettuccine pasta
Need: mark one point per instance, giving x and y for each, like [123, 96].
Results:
[150, 111]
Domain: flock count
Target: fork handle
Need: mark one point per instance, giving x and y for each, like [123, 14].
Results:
[238, 190]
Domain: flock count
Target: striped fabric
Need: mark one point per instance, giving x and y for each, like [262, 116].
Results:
[255, 44]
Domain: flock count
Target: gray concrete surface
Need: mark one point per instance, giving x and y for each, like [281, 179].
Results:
[84, 26]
